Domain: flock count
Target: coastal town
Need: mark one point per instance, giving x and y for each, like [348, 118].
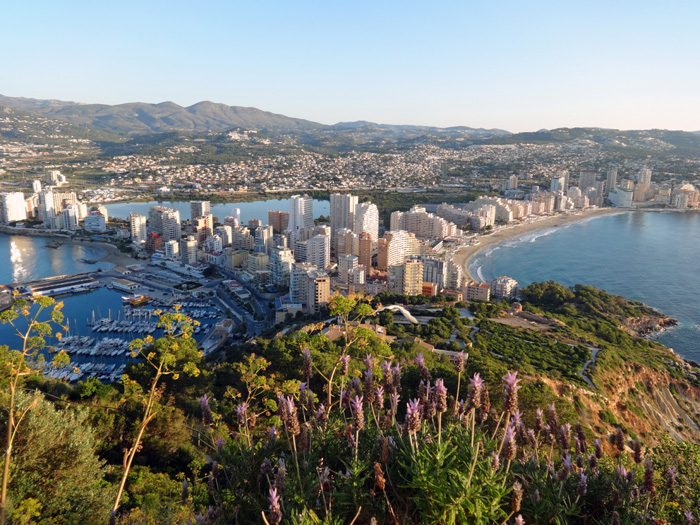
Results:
[271, 271]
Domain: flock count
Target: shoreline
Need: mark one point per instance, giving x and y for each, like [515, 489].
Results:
[465, 254]
[112, 254]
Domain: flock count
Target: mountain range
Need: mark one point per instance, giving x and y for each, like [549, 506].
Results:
[137, 118]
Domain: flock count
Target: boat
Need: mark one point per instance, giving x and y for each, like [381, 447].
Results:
[139, 300]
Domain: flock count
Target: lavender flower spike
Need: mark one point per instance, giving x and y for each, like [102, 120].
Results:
[207, 416]
[440, 396]
[358, 414]
[275, 508]
[413, 416]
[242, 414]
[308, 365]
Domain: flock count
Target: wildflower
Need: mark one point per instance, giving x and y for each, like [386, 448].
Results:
[292, 418]
[275, 509]
[510, 447]
[396, 374]
[272, 433]
[459, 366]
[266, 467]
[344, 364]
[307, 368]
[440, 396]
[220, 444]
[185, 493]
[532, 439]
[474, 399]
[379, 398]
[386, 375]
[242, 414]
[321, 415]
[539, 421]
[565, 469]
[358, 414]
[281, 476]
[688, 517]
[598, 449]
[637, 451]
[579, 461]
[649, 477]
[368, 362]
[282, 408]
[485, 404]
[519, 520]
[582, 484]
[423, 392]
[565, 438]
[413, 416]
[592, 462]
[495, 461]
[671, 478]
[424, 372]
[517, 497]
[510, 391]
[622, 472]
[207, 417]
[619, 440]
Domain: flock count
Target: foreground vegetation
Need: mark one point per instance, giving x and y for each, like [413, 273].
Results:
[300, 429]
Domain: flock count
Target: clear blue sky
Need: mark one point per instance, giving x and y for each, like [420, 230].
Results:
[513, 65]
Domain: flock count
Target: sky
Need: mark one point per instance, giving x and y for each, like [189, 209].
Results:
[519, 66]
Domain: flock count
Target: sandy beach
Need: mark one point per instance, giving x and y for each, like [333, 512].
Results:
[112, 253]
[466, 253]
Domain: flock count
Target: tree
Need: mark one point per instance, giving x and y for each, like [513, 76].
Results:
[19, 363]
[171, 355]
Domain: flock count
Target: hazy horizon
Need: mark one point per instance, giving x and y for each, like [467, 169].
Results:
[512, 66]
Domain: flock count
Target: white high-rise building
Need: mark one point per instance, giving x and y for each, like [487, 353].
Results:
[226, 234]
[346, 263]
[281, 261]
[367, 219]
[95, 222]
[70, 217]
[557, 184]
[611, 181]
[342, 211]
[36, 186]
[236, 214]
[318, 251]
[138, 228]
[301, 215]
[171, 225]
[172, 249]
[188, 250]
[14, 207]
[46, 207]
[199, 209]
[263, 239]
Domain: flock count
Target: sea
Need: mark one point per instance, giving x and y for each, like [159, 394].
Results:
[652, 257]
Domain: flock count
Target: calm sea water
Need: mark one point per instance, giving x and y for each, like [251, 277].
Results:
[649, 257]
[249, 210]
[27, 258]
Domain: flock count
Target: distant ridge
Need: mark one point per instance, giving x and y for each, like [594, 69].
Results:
[141, 118]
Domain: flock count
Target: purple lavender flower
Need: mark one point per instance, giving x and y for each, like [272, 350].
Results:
[649, 477]
[379, 398]
[424, 372]
[321, 415]
[620, 440]
[671, 478]
[495, 461]
[582, 487]
[207, 417]
[308, 364]
[266, 467]
[517, 497]
[292, 418]
[185, 493]
[637, 451]
[485, 403]
[592, 462]
[510, 447]
[622, 472]
[358, 413]
[519, 520]
[386, 375]
[275, 508]
[510, 391]
[539, 421]
[565, 437]
[440, 396]
[242, 415]
[459, 366]
[369, 362]
[553, 420]
[413, 416]
[474, 399]
[272, 433]
[598, 449]
[688, 517]
[344, 364]
[396, 376]
[369, 386]
[220, 444]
